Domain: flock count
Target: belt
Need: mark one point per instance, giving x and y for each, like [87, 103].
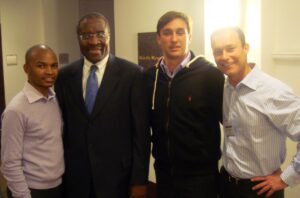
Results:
[234, 180]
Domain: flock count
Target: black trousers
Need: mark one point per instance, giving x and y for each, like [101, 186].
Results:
[56, 192]
[92, 191]
[240, 188]
[192, 186]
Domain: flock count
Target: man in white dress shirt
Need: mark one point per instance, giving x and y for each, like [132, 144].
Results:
[259, 113]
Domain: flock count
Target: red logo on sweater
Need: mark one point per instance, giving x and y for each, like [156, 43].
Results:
[189, 98]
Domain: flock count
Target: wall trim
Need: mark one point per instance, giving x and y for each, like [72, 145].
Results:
[285, 55]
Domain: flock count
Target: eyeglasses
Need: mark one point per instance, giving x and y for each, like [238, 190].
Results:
[98, 35]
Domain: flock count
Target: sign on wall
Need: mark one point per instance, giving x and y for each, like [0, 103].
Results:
[148, 50]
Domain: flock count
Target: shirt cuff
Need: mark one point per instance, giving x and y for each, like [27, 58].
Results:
[290, 176]
[23, 194]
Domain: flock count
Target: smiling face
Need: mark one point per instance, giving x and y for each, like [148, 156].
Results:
[173, 39]
[42, 68]
[230, 54]
[93, 46]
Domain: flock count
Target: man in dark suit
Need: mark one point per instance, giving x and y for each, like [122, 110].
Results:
[106, 142]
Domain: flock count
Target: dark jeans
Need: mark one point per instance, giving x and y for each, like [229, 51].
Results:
[240, 188]
[56, 192]
[192, 186]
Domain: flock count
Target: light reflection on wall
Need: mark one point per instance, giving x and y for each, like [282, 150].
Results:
[243, 13]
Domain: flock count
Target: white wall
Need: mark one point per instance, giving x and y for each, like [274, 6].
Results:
[25, 23]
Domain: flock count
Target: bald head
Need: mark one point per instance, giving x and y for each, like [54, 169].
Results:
[34, 50]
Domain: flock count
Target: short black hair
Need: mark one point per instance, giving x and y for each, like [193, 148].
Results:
[93, 15]
[171, 15]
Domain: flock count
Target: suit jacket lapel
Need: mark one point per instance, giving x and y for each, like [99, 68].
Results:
[76, 85]
[109, 83]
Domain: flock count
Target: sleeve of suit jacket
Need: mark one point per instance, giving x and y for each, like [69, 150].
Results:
[141, 135]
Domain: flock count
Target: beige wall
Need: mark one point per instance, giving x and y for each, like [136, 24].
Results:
[25, 23]
[60, 20]
[21, 27]
[281, 41]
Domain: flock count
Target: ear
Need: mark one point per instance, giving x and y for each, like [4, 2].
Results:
[246, 48]
[189, 38]
[25, 67]
[158, 39]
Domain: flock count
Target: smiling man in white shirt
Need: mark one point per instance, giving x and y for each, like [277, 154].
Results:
[259, 113]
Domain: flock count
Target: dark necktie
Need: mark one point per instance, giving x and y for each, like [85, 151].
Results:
[91, 89]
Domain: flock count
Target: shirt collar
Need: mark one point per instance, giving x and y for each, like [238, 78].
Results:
[99, 64]
[250, 79]
[183, 64]
[34, 95]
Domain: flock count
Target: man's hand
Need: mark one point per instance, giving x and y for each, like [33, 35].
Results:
[269, 184]
[138, 191]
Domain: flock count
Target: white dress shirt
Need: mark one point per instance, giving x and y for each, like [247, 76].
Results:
[258, 114]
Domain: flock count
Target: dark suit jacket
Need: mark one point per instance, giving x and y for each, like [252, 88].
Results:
[110, 147]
